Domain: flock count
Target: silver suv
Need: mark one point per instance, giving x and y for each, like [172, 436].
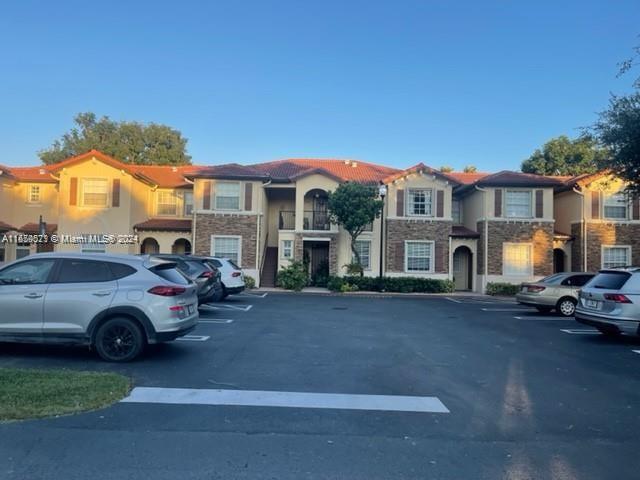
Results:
[113, 303]
[610, 302]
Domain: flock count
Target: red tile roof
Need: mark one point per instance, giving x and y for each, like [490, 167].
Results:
[5, 227]
[341, 170]
[34, 228]
[33, 174]
[465, 178]
[460, 231]
[164, 176]
[165, 224]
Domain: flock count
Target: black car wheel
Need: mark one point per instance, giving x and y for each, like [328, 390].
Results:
[119, 340]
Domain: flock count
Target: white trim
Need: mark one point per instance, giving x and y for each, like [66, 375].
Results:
[283, 256]
[237, 237]
[29, 188]
[370, 242]
[316, 239]
[431, 256]
[627, 247]
[406, 202]
[215, 196]
[504, 250]
[531, 200]
[172, 193]
[82, 192]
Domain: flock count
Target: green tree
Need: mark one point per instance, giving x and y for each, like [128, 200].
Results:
[563, 156]
[470, 169]
[446, 169]
[130, 142]
[618, 129]
[354, 206]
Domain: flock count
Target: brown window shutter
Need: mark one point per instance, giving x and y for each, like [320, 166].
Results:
[248, 195]
[115, 193]
[635, 211]
[206, 195]
[440, 203]
[539, 203]
[73, 191]
[400, 203]
[399, 260]
[439, 258]
[498, 203]
[595, 204]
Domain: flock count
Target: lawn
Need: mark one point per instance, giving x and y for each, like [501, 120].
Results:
[26, 393]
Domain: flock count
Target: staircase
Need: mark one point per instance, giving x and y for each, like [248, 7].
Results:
[269, 268]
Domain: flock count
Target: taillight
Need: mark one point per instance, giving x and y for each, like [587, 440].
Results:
[617, 297]
[535, 288]
[179, 309]
[207, 274]
[236, 274]
[166, 291]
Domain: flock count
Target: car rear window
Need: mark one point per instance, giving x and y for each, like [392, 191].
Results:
[170, 274]
[120, 270]
[216, 263]
[234, 265]
[609, 280]
[553, 279]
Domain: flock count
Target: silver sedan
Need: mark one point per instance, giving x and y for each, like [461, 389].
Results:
[557, 292]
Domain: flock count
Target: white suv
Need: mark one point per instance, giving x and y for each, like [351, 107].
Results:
[232, 275]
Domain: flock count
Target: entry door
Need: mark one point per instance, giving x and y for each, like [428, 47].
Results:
[461, 269]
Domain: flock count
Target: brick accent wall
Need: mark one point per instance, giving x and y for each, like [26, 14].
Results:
[480, 256]
[539, 234]
[207, 224]
[298, 248]
[576, 248]
[400, 230]
[599, 234]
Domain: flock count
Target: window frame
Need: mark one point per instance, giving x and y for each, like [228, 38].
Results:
[604, 248]
[285, 248]
[236, 237]
[171, 193]
[83, 185]
[30, 199]
[366, 266]
[606, 202]
[105, 265]
[216, 188]
[529, 245]
[185, 195]
[456, 218]
[506, 202]
[50, 274]
[410, 204]
[432, 246]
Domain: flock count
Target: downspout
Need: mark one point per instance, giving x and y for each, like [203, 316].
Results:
[486, 239]
[583, 227]
[259, 254]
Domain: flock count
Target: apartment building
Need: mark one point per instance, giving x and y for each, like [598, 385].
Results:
[473, 228]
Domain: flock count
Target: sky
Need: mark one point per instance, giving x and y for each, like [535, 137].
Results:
[390, 82]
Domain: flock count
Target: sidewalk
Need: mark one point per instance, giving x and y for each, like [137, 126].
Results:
[326, 291]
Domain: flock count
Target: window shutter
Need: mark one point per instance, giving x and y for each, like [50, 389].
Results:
[539, 203]
[248, 195]
[439, 258]
[498, 203]
[115, 193]
[399, 260]
[73, 191]
[206, 195]
[400, 203]
[440, 203]
[635, 210]
[595, 204]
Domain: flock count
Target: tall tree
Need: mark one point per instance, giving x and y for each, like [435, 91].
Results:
[446, 169]
[354, 206]
[130, 142]
[470, 169]
[563, 156]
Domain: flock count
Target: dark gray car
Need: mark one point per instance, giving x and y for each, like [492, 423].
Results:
[198, 270]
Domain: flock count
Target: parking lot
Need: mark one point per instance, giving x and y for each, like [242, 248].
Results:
[321, 385]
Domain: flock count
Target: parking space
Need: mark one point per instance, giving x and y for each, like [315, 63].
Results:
[305, 386]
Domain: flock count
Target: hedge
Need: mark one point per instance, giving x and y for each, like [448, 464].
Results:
[502, 288]
[390, 284]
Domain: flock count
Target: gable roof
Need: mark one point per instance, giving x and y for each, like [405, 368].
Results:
[5, 227]
[507, 178]
[230, 171]
[420, 168]
[466, 178]
[342, 170]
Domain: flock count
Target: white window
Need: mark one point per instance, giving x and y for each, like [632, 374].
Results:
[364, 250]
[517, 259]
[418, 256]
[227, 195]
[616, 256]
[188, 204]
[167, 203]
[34, 194]
[226, 247]
[616, 206]
[95, 192]
[419, 201]
[287, 249]
[518, 204]
[456, 212]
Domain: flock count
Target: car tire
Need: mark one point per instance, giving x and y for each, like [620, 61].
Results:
[225, 294]
[566, 306]
[119, 339]
[544, 309]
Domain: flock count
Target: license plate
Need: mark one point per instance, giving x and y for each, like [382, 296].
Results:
[592, 304]
[190, 309]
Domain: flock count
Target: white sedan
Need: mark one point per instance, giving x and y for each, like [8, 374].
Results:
[232, 275]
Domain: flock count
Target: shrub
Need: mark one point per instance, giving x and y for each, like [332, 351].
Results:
[293, 277]
[392, 284]
[249, 282]
[502, 288]
[353, 268]
[335, 284]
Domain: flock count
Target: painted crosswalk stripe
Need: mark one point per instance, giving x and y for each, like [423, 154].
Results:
[194, 338]
[573, 331]
[256, 398]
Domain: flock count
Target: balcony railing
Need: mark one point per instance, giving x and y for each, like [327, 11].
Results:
[315, 220]
[287, 221]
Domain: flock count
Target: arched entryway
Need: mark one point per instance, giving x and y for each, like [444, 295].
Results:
[181, 246]
[558, 260]
[149, 246]
[316, 214]
[463, 268]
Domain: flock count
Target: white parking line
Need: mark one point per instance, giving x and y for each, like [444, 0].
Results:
[252, 398]
[193, 338]
[573, 331]
[453, 300]
[221, 320]
[239, 308]
[635, 351]
[545, 318]
[254, 295]
[505, 310]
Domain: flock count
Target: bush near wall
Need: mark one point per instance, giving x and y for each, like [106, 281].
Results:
[293, 277]
[390, 284]
[249, 282]
[502, 288]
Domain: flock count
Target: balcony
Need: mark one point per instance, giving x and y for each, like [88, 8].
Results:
[312, 220]
[287, 220]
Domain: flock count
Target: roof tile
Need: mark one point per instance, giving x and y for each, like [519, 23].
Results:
[165, 224]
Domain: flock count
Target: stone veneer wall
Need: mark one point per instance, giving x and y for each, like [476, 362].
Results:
[538, 233]
[599, 234]
[207, 224]
[480, 256]
[398, 231]
[576, 247]
[298, 248]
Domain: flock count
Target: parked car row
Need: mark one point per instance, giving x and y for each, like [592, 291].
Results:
[116, 304]
[608, 300]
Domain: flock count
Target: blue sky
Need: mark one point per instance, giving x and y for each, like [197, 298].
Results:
[397, 82]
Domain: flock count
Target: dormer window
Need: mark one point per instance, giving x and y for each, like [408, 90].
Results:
[616, 206]
[518, 204]
[420, 201]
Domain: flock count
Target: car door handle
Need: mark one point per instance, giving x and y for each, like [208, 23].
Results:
[33, 295]
[101, 294]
